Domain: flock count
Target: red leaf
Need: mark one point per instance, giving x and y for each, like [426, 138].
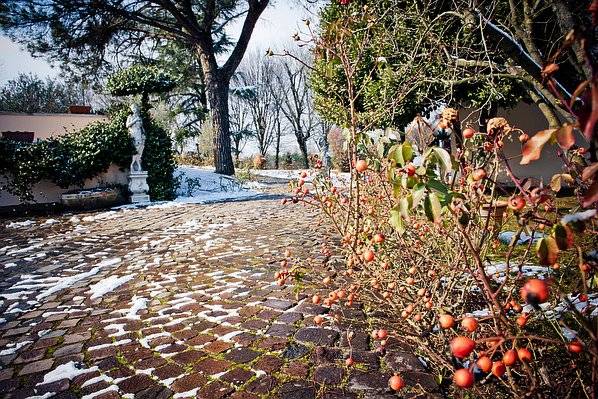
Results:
[589, 172]
[593, 118]
[591, 195]
[533, 147]
[565, 136]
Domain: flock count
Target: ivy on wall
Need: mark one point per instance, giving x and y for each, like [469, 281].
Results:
[66, 160]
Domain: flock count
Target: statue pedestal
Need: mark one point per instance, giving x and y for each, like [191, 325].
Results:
[138, 186]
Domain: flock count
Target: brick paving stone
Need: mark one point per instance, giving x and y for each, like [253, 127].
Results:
[241, 355]
[68, 350]
[289, 317]
[243, 395]
[212, 366]
[46, 342]
[262, 385]
[245, 339]
[330, 375]
[188, 357]
[295, 351]
[16, 332]
[296, 370]
[136, 383]
[296, 390]
[5, 374]
[167, 371]
[74, 338]
[237, 376]
[281, 330]
[189, 382]
[268, 363]
[201, 339]
[279, 304]
[317, 335]
[154, 392]
[367, 381]
[401, 361]
[31, 355]
[218, 346]
[215, 390]
[37, 367]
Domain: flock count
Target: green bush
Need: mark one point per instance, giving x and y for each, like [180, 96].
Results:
[139, 79]
[66, 160]
[158, 160]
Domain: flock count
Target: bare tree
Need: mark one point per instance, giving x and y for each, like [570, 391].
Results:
[240, 125]
[254, 85]
[295, 99]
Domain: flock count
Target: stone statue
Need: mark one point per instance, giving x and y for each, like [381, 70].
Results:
[135, 126]
[137, 177]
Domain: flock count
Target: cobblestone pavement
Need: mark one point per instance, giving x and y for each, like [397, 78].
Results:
[177, 302]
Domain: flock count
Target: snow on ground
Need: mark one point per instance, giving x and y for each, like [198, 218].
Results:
[68, 371]
[338, 178]
[15, 225]
[202, 185]
[107, 285]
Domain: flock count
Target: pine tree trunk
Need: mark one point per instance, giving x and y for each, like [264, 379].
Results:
[303, 148]
[277, 157]
[217, 91]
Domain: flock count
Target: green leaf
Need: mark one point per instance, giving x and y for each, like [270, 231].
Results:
[432, 207]
[407, 152]
[396, 221]
[438, 186]
[444, 159]
[404, 207]
[417, 194]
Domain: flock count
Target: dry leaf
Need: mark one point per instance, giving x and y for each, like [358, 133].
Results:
[533, 147]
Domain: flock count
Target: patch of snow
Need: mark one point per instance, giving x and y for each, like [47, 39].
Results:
[16, 225]
[507, 236]
[13, 347]
[44, 396]
[107, 285]
[66, 371]
[103, 346]
[187, 394]
[579, 217]
[139, 303]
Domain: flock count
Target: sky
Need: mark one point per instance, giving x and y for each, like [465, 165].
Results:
[275, 28]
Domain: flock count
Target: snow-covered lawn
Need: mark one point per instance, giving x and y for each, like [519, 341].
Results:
[338, 178]
[201, 185]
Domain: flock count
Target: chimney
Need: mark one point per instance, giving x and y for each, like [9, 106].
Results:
[79, 109]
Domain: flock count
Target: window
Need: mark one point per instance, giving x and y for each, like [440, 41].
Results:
[25, 137]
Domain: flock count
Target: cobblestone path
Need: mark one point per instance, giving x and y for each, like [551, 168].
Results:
[177, 302]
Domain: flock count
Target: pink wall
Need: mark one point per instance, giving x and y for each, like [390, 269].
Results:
[46, 125]
[529, 119]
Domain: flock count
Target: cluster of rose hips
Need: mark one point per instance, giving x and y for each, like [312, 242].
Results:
[534, 291]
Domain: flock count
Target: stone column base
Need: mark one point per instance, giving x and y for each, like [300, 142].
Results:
[138, 187]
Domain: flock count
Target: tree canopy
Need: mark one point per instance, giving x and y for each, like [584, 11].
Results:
[440, 51]
[90, 35]
[29, 93]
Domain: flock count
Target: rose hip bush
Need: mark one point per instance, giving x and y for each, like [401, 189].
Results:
[481, 313]
[418, 231]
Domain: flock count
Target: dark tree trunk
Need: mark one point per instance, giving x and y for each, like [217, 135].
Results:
[303, 148]
[217, 91]
[277, 157]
